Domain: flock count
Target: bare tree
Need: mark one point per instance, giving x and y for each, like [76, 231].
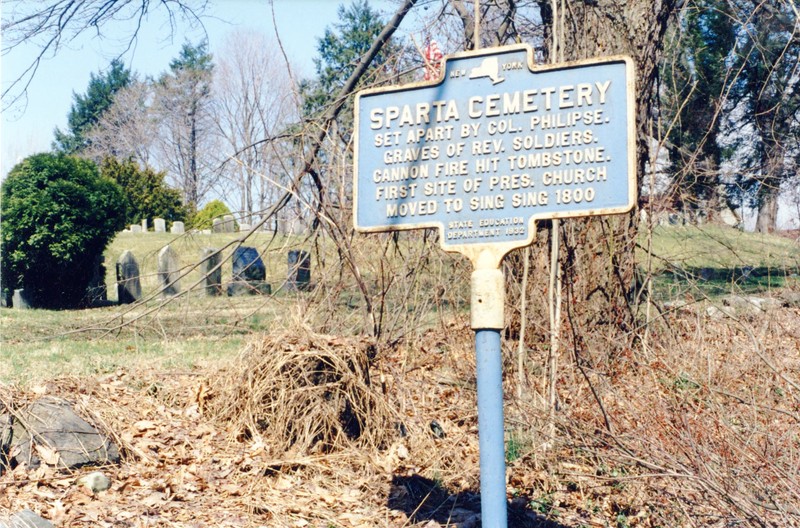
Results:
[253, 101]
[52, 24]
[128, 128]
[183, 106]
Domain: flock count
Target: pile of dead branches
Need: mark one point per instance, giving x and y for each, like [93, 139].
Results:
[303, 393]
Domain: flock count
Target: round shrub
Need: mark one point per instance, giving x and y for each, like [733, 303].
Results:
[204, 218]
[58, 214]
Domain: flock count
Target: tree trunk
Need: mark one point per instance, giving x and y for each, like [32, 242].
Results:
[598, 254]
[767, 219]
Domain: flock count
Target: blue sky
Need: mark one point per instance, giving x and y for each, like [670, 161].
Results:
[28, 128]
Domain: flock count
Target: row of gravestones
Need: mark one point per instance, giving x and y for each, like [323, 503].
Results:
[226, 224]
[159, 226]
[249, 276]
[249, 273]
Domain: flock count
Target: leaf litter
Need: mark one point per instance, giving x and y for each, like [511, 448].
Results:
[328, 431]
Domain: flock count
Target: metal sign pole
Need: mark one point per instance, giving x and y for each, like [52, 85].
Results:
[487, 305]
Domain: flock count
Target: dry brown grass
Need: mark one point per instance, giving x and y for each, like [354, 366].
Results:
[698, 429]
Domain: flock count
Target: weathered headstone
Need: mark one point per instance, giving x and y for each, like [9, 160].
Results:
[96, 292]
[26, 519]
[249, 273]
[68, 440]
[299, 270]
[211, 270]
[729, 217]
[159, 225]
[244, 227]
[205, 232]
[129, 289]
[144, 225]
[228, 224]
[168, 272]
[217, 225]
[136, 228]
[177, 228]
[20, 300]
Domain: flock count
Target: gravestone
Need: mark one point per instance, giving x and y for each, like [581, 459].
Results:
[26, 519]
[129, 289]
[168, 272]
[96, 292]
[177, 228]
[211, 270]
[249, 273]
[228, 224]
[217, 225]
[729, 217]
[20, 300]
[159, 225]
[136, 228]
[299, 270]
[144, 225]
[52, 423]
[244, 227]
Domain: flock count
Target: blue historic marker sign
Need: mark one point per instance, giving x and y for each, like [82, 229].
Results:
[495, 145]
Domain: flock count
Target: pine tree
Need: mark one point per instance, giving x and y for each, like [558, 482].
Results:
[767, 94]
[694, 89]
[87, 109]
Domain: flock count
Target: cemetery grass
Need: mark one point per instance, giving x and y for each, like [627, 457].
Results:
[689, 263]
[703, 404]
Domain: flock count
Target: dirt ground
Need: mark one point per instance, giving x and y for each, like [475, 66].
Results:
[700, 429]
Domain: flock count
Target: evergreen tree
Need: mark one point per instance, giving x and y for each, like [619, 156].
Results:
[146, 194]
[339, 52]
[764, 123]
[58, 215]
[87, 109]
[692, 99]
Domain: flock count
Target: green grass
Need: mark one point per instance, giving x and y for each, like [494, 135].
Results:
[711, 261]
[716, 247]
[42, 344]
[194, 329]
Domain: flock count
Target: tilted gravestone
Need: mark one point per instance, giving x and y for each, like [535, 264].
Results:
[177, 228]
[129, 289]
[50, 431]
[299, 270]
[168, 272]
[211, 270]
[249, 273]
[159, 225]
